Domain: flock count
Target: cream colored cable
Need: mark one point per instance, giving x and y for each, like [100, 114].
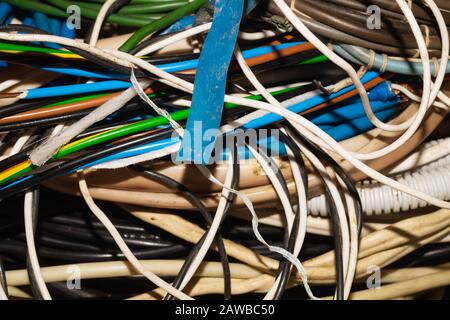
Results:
[31, 246]
[394, 235]
[204, 286]
[113, 269]
[99, 21]
[400, 289]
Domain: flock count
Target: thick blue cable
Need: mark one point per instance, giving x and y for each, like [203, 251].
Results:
[210, 79]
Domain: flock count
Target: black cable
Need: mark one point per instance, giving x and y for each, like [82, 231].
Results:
[18, 248]
[133, 239]
[285, 268]
[336, 225]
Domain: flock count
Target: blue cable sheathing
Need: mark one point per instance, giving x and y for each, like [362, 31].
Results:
[86, 73]
[180, 24]
[5, 10]
[42, 22]
[210, 79]
[66, 31]
[55, 26]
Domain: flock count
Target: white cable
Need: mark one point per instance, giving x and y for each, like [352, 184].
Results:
[162, 112]
[354, 238]
[121, 243]
[324, 49]
[341, 212]
[99, 21]
[291, 257]
[252, 36]
[197, 30]
[46, 150]
[175, 38]
[303, 213]
[380, 199]
[269, 171]
[435, 152]
[211, 233]
[414, 97]
[31, 246]
[20, 143]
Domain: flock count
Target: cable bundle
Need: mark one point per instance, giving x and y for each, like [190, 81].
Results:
[224, 147]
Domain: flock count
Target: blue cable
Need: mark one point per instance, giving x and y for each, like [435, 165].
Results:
[86, 73]
[210, 78]
[42, 22]
[5, 10]
[55, 26]
[73, 89]
[180, 24]
[351, 111]
[67, 32]
[306, 105]
[347, 130]
[396, 66]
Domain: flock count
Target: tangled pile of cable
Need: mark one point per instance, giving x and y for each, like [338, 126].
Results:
[181, 149]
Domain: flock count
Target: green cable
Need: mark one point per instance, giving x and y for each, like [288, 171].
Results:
[92, 14]
[87, 13]
[19, 47]
[143, 8]
[151, 7]
[165, 21]
[38, 6]
[74, 100]
[17, 174]
[314, 60]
